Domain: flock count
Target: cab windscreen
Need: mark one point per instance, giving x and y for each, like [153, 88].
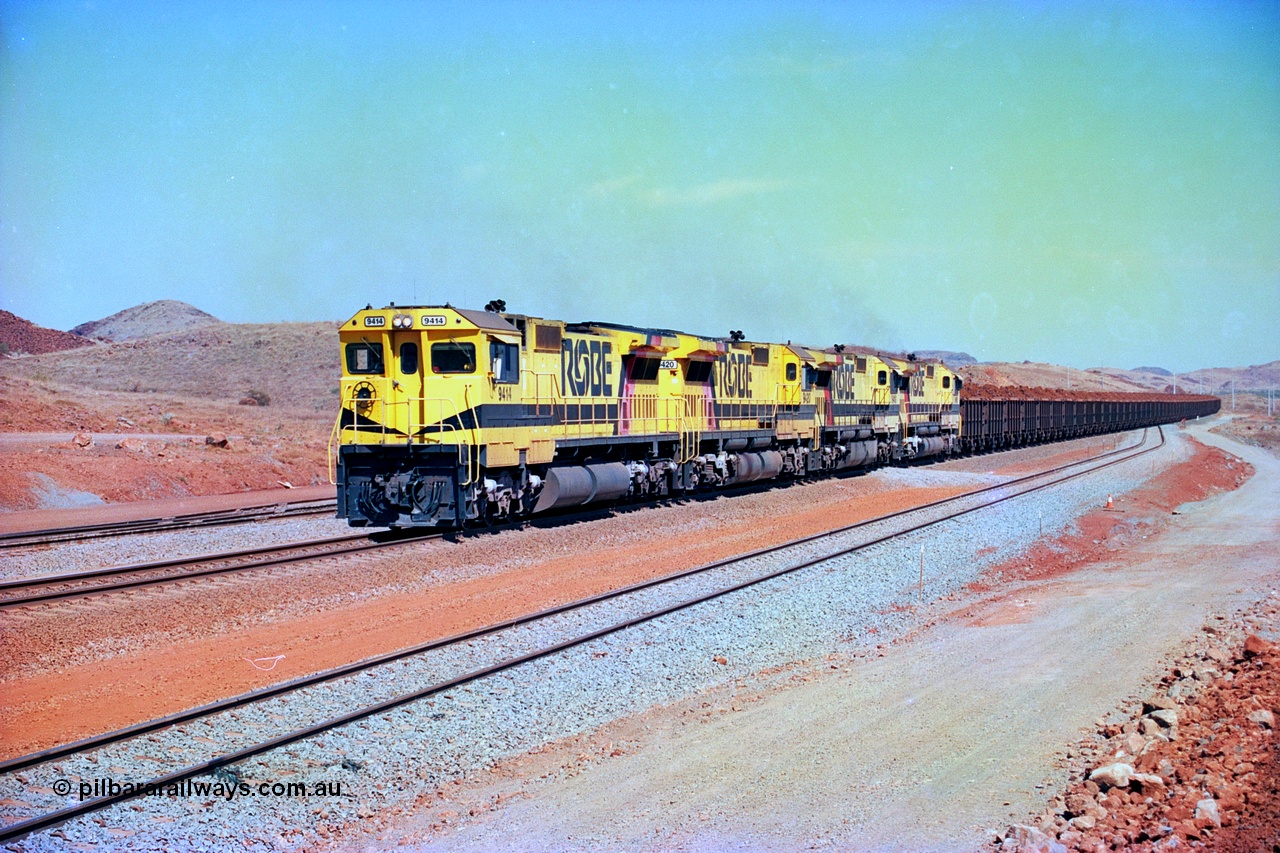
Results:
[453, 357]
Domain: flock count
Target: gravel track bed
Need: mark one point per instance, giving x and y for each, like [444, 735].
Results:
[59, 558]
[987, 461]
[845, 604]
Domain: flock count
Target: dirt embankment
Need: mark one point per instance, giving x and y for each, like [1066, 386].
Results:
[1104, 531]
[266, 445]
[294, 365]
[1197, 767]
[271, 388]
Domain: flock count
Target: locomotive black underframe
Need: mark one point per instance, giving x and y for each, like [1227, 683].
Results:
[986, 425]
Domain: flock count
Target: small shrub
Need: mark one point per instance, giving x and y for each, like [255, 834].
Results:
[259, 398]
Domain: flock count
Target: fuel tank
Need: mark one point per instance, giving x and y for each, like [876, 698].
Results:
[575, 485]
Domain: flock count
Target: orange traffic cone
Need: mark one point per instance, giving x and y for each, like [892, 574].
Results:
[1110, 503]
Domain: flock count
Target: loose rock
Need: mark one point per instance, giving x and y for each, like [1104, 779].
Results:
[1264, 718]
[1207, 809]
[1255, 645]
[1112, 775]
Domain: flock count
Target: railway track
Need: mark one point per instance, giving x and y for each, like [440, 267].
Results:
[240, 515]
[586, 620]
[32, 591]
[25, 592]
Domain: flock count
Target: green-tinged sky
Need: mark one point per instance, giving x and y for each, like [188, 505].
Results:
[1087, 183]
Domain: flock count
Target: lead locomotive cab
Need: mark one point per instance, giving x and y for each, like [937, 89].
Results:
[414, 384]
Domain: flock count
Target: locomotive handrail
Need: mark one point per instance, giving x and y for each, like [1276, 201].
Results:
[335, 437]
[379, 408]
[473, 457]
[537, 399]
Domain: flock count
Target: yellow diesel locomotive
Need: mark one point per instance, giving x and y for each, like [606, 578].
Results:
[452, 417]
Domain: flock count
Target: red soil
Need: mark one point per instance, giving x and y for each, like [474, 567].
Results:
[268, 445]
[156, 468]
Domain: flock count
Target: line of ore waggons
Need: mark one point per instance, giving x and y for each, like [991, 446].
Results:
[451, 417]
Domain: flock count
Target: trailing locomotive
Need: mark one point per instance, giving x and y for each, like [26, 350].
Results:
[451, 416]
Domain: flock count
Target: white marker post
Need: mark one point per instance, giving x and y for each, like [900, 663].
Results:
[920, 592]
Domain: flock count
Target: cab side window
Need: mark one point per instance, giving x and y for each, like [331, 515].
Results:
[882, 378]
[505, 359]
[697, 371]
[645, 369]
[791, 373]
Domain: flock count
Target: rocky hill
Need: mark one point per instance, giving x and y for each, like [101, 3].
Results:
[291, 365]
[143, 321]
[22, 336]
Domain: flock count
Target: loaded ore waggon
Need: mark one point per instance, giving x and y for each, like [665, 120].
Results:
[450, 417]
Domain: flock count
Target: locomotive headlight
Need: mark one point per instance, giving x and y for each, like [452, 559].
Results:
[402, 321]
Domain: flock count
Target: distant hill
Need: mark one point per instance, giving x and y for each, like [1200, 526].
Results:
[143, 321]
[1212, 380]
[22, 336]
[1035, 374]
[951, 359]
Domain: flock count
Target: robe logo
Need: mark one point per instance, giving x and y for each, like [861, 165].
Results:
[586, 368]
[733, 375]
[842, 382]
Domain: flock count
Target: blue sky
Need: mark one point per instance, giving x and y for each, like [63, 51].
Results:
[1083, 183]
